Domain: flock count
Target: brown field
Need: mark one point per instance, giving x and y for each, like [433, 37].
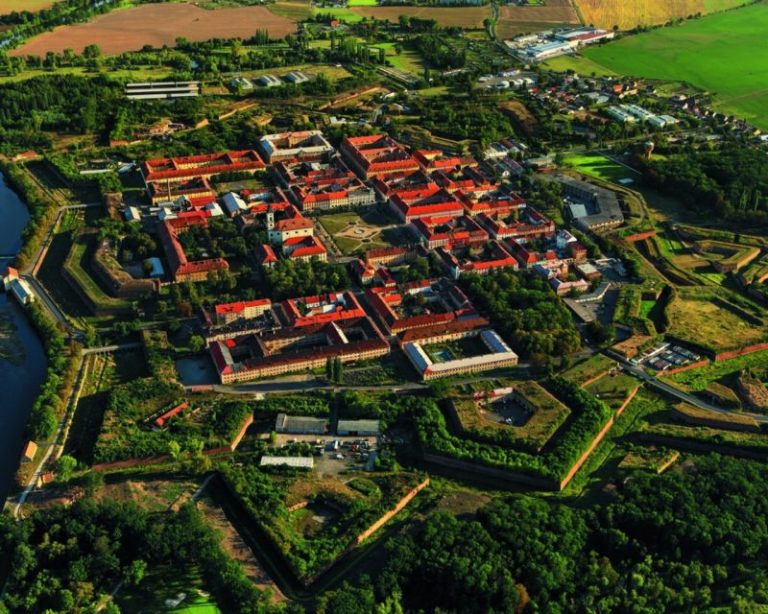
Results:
[515, 20]
[9, 6]
[158, 25]
[630, 13]
[463, 17]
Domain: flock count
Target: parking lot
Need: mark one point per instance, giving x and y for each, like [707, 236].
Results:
[666, 356]
[337, 454]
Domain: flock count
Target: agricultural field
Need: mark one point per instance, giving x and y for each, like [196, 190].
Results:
[158, 25]
[514, 20]
[631, 13]
[470, 18]
[9, 6]
[713, 323]
[601, 167]
[703, 53]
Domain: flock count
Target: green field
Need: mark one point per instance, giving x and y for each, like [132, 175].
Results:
[718, 54]
[601, 168]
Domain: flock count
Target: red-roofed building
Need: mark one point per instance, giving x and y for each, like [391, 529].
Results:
[523, 223]
[322, 309]
[315, 185]
[387, 185]
[266, 256]
[196, 189]
[489, 257]
[449, 232]
[182, 269]
[292, 349]
[226, 313]
[431, 202]
[364, 272]
[177, 170]
[434, 159]
[377, 154]
[418, 304]
[389, 256]
[495, 201]
[287, 224]
[304, 248]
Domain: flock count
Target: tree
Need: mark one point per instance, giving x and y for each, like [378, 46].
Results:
[196, 343]
[135, 572]
[65, 467]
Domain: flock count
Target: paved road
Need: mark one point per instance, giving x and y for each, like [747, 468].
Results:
[45, 299]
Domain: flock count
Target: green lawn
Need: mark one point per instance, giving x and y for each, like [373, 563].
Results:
[361, 3]
[344, 14]
[601, 168]
[163, 583]
[719, 53]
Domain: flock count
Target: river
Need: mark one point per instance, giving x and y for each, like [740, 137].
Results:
[19, 383]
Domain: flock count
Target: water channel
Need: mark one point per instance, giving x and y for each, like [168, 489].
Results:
[21, 376]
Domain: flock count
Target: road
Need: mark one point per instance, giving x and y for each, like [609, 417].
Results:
[660, 384]
[45, 299]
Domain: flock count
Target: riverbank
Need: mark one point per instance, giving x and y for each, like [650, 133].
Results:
[22, 373]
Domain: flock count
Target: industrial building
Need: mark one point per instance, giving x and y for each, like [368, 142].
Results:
[161, 90]
[300, 425]
[294, 462]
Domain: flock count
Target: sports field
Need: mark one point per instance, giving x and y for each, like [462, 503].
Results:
[720, 54]
[601, 167]
[630, 13]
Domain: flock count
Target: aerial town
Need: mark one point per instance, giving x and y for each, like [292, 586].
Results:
[369, 306]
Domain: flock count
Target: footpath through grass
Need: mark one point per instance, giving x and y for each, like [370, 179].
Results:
[723, 54]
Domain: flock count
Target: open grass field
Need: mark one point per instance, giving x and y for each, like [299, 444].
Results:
[467, 17]
[703, 53]
[353, 232]
[630, 13]
[296, 10]
[514, 20]
[9, 6]
[712, 323]
[614, 389]
[601, 167]
[586, 370]
[407, 60]
[485, 418]
[167, 583]
[158, 25]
